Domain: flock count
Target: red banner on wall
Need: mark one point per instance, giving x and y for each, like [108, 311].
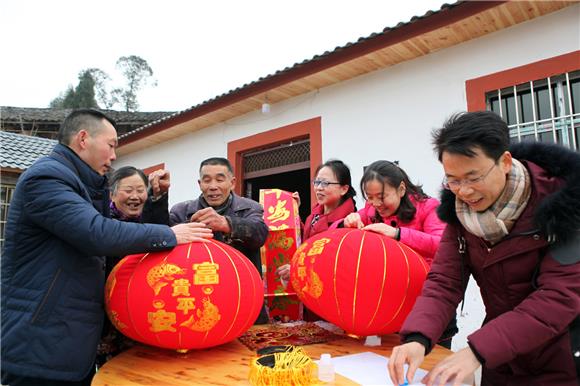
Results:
[281, 217]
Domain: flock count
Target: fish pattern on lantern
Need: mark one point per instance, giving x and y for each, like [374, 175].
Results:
[205, 274]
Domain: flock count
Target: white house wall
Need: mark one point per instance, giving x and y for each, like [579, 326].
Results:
[388, 114]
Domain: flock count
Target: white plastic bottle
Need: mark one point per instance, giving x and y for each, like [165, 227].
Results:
[373, 340]
[325, 369]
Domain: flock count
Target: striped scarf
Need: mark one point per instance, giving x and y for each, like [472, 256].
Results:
[496, 222]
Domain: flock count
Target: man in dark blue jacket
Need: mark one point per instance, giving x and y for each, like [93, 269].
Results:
[58, 233]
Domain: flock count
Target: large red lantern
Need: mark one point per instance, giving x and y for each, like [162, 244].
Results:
[361, 281]
[194, 296]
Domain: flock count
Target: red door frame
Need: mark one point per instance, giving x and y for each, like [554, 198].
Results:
[310, 129]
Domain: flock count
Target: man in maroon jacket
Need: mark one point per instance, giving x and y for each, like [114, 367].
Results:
[513, 222]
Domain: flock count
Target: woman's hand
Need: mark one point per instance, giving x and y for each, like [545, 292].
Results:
[353, 220]
[284, 272]
[160, 181]
[382, 228]
[296, 197]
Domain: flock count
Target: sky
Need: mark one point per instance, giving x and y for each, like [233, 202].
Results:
[197, 49]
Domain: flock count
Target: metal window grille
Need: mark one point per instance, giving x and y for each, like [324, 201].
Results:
[545, 110]
[6, 192]
[282, 155]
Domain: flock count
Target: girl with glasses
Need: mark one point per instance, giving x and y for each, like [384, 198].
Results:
[334, 198]
[334, 201]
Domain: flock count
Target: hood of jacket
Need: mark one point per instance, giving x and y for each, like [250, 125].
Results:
[558, 214]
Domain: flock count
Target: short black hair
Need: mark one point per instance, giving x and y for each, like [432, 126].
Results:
[217, 161]
[342, 173]
[462, 133]
[387, 172]
[77, 120]
[124, 172]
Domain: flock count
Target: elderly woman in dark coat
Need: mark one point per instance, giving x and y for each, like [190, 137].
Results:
[134, 198]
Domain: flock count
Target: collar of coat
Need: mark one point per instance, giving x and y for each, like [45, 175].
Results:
[95, 185]
[238, 204]
[558, 213]
[88, 176]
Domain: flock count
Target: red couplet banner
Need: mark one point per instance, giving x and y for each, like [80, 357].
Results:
[281, 216]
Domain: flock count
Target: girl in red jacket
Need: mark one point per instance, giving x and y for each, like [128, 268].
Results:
[334, 198]
[398, 209]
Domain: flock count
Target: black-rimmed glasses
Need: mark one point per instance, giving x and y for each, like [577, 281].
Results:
[324, 184]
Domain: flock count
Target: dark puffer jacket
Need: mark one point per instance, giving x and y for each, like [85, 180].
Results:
[53, 266]
[529, 281]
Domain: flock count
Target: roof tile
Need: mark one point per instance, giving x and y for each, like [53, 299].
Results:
[21, 151]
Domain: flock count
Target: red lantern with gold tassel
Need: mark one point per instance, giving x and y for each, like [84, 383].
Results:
[362, 281]
[194, 296]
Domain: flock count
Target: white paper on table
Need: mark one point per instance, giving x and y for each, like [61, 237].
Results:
[368, 368]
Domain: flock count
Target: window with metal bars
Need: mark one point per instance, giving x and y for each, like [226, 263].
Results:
[6, 192]
[546, 110]
[281, 155]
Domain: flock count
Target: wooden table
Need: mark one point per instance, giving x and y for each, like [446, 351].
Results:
[227, 364]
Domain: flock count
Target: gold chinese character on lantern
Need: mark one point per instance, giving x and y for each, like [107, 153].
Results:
[301, 257]
[318, 247]
[181, 287]
[206, 273]
[301, 272]
[185, 304]
[279, 212]
[161, 320]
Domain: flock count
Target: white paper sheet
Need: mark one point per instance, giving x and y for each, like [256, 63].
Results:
[369, 369]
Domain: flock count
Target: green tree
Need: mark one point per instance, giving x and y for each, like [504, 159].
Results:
[94, 86]
[59, 101]
[85, 91]
[83, 95]
[137, 73]
[103, 95]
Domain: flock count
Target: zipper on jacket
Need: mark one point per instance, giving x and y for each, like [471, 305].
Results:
[46, 296]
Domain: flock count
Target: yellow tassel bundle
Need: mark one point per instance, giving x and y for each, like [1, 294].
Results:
[292, 367]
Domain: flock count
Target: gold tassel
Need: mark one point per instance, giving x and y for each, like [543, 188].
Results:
[292, 367]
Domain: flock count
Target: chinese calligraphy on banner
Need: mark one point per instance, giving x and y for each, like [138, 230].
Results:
[281, 216]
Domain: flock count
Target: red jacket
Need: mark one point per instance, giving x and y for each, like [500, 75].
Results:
[422, 233]
[328, 221]
[531, 289]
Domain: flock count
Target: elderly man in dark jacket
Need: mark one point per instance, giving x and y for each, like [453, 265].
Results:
[53, 264]
[235, 220]
[514, 224]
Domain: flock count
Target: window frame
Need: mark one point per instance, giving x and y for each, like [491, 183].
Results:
[478, 89]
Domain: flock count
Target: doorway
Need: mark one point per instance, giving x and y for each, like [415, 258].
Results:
[262, 155]
[284, 166]
[293, 181]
